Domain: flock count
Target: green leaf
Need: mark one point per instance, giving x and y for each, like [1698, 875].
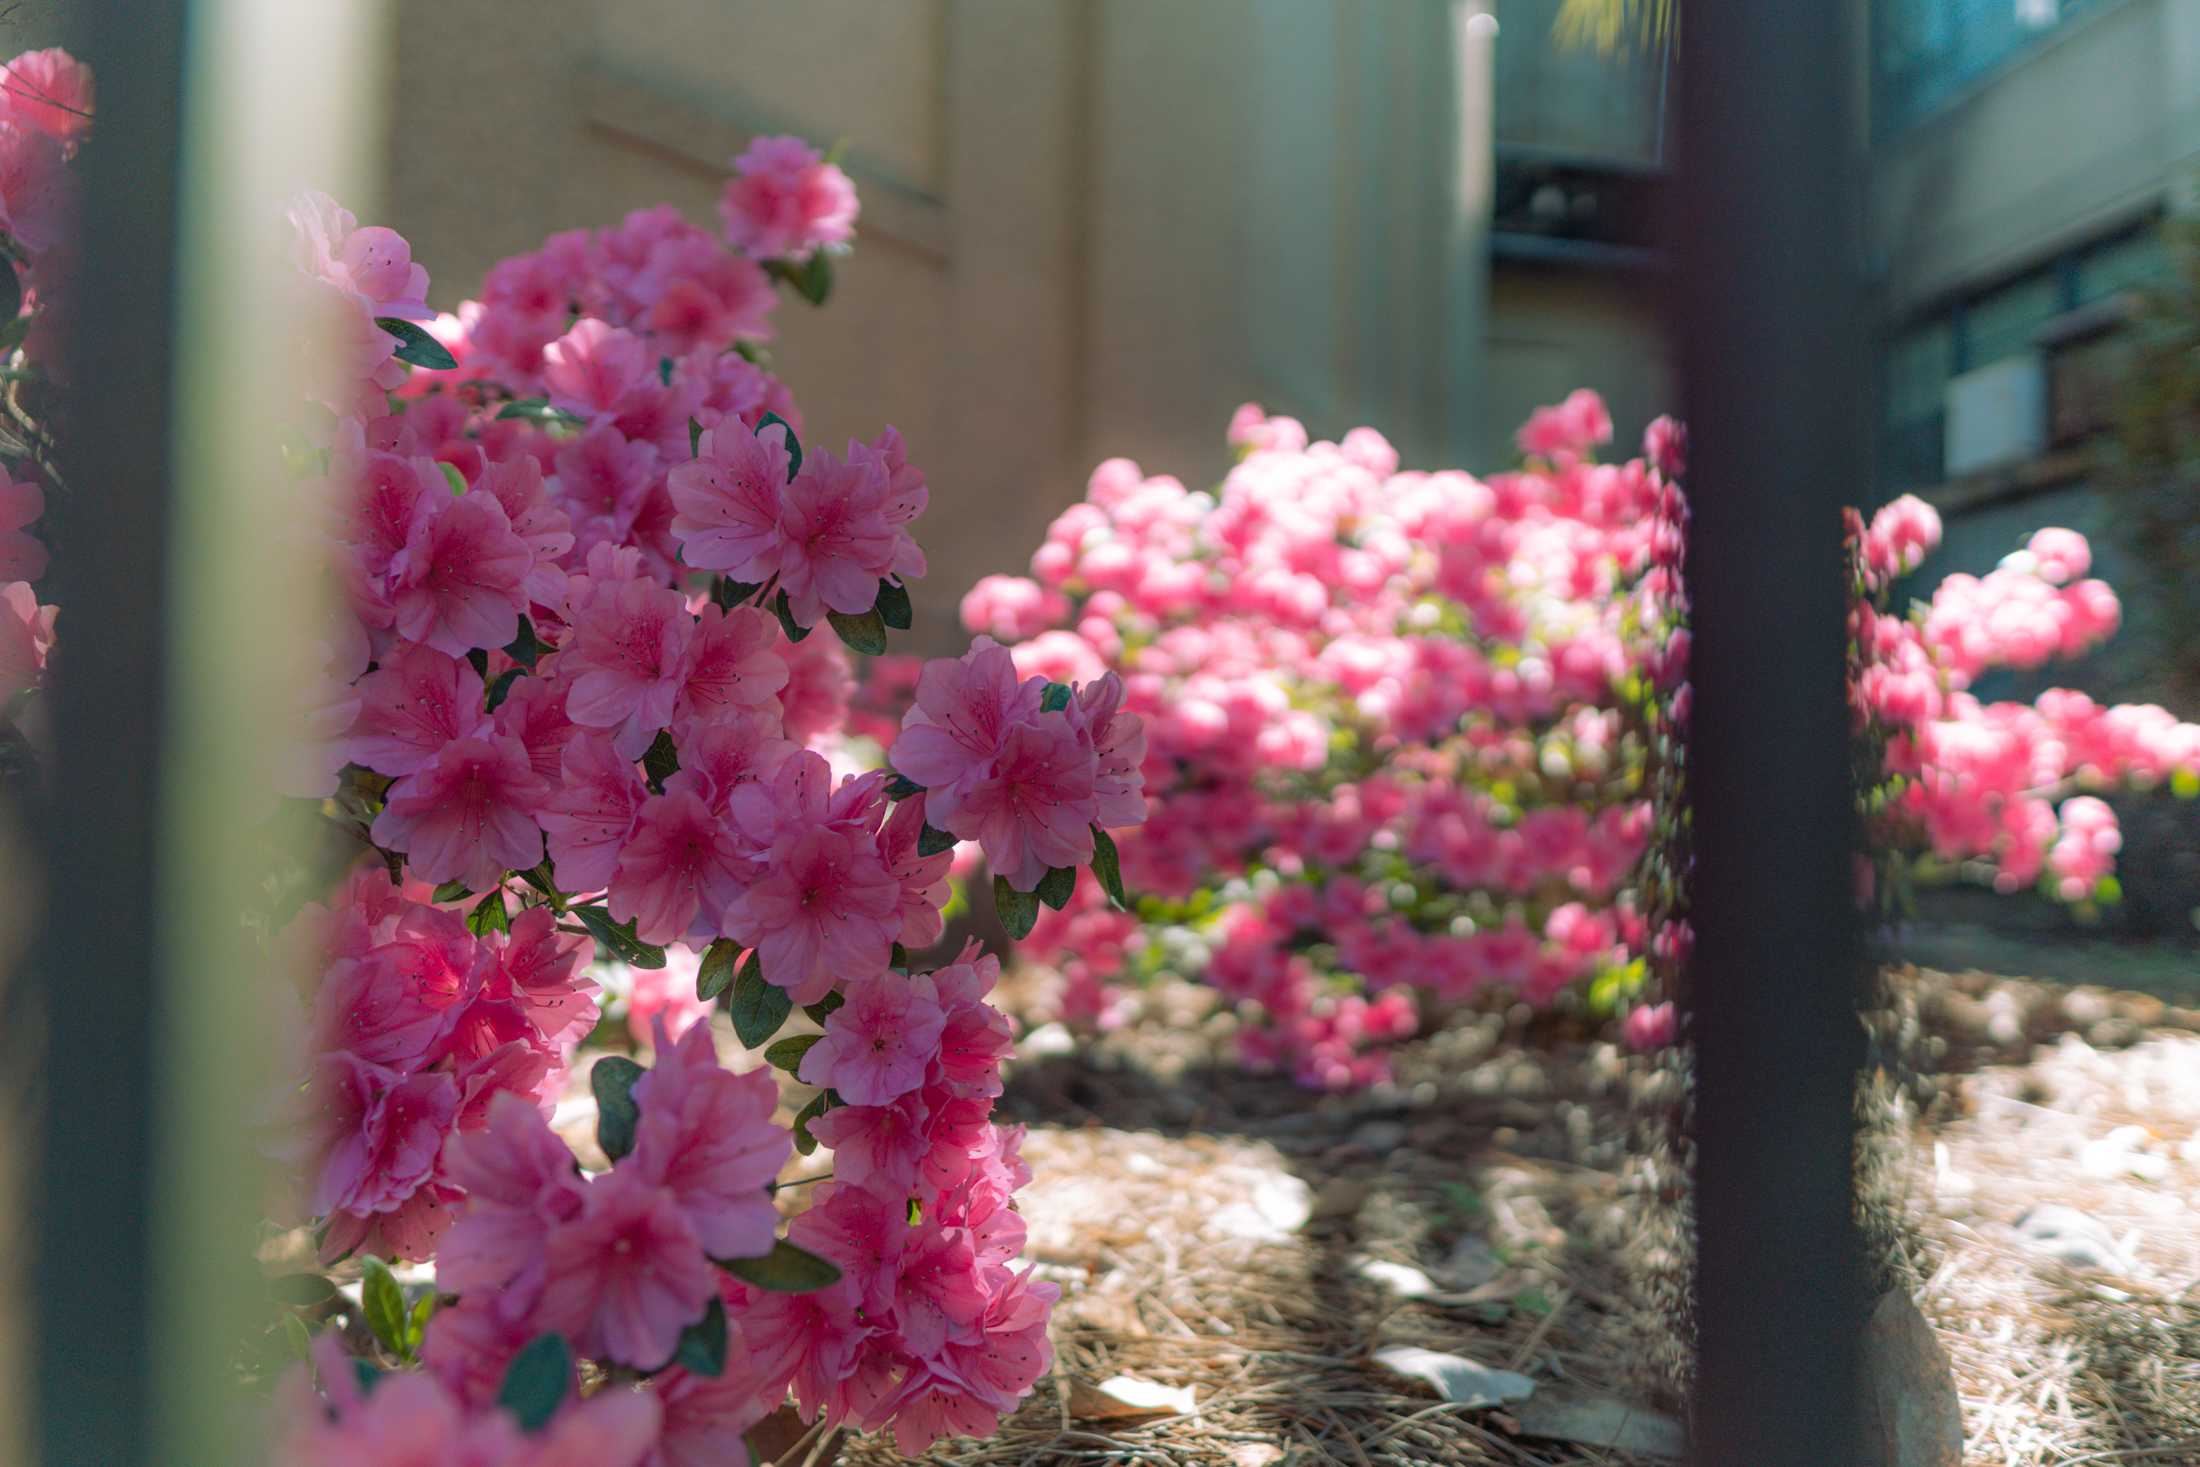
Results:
[1055, 698]
[297, 1337]
[729, 594]
[612, 1083]
[664, 370]
[382, 1306]
[758, 1007]
[537, 410]
[787, 1053]
[695, 439]
[831, 1003]
[451, 891]
[489, 915]
[820, 1103]
[11, 290]
[702, 1349]
[454, 478]
[661, 761]
[794, 444]
[416, 346]
[416, 1323]
[536, 1381]
[901, 787]
[815, 278]
[302, 1290]
[896, 957]
[12, 332]
[620, 938]
[365, 1374]
[1019, 910]
[785, 1270]
[865, 633]
[1108, 866]
[893, 606]
[795, 632]
[1057, 886]
[540, 879]
[932, 840]
[502, 687]
[715, 975]
[478, 660]
[524, 648]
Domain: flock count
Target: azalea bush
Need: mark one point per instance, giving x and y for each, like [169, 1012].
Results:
[1417, 740]
[569, 717]
[1411, 737]
[2003, 793]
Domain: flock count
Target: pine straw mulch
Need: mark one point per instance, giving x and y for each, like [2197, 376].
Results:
[1212, 1231]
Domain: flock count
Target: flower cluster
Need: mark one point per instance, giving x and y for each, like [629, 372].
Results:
[45, 116]
[1402, 728]
[1997, 790]
[568, 696]
[419, 1027]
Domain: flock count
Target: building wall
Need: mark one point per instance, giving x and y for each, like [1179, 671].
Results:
[1090, 228]
[2099, 122]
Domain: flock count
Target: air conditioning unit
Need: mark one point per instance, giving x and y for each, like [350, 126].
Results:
[1997, 415]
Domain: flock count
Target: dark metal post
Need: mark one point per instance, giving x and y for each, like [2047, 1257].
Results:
[96, 962]
[1768, 323]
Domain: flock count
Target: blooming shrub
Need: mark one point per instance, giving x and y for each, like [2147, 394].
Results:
[1417, 737]
[563, 716]
[2005, 793]
[1404, 730]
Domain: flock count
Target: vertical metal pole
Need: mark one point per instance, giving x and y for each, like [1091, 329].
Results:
[95, 963]
[1768, 324]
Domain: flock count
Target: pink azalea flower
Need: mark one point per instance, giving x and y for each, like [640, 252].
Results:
[823, 910]
[374, 264]
[922, 879]
[51, 91]
[544, 971]
[731, 663]
[627, 1275]
[681, 865]
[541, 525]
[37, 192]
[862, 1231]
[705, 1419]
[589, 813]
[520, 1181]
[964, 710]
[836, 543]
[533, 712]
[467, 815]
[706, 1136]
[666, 995]
[740, 747]
[605, 479]
[595, 364]
[26, 637]
[878, 1045]
[941, 1293]
[22, 555]
[784, 201]
[382, 1132]
[878, 1147]
[410, 707]
[458, 583]
[1034, 811]
[728, 500]
[624, 661]
[808, 1341]
[1119, 747]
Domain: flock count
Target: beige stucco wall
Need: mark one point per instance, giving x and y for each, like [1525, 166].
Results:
[1091, 227]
